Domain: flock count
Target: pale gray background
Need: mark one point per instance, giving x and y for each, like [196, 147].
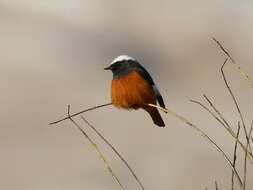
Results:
[53, 53]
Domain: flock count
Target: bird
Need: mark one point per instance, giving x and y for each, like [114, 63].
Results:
[132, 87]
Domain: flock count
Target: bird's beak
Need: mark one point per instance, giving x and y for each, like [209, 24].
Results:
[107, 68]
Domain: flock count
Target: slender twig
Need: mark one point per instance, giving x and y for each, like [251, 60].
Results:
[235, 155]
[233, 61]
[73, 115]
[228, 129]
[245, 159]
[207, 109]
[217, 111]
[223, 49]
[216, 186]
[96, 148]
[202, 133]
[114, 149]
[236, 104]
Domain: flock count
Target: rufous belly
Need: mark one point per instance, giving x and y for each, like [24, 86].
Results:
[132, 92]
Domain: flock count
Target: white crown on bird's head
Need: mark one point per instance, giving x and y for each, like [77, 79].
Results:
[122, 58]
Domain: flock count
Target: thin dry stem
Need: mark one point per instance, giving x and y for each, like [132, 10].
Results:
[235, 155]
[235, 64]
[207, 109]
[202, 133]
[245, 159]
[217, 111]
[97, 149]
[216, 186]
[228, 129]
[236, 104]
[114, 149]
[86, 110]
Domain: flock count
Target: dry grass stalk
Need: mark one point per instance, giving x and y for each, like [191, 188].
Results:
[237, 106]
[203, 134]
[245, 158]
[116, 152]
[235, 155]
[235, 64]
[97, 150]
[229, 129]
[216, 186]
[218, 112]
[225, 123]
[76, 114]
[213, 114]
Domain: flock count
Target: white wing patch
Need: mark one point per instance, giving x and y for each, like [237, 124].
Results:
[156, 90]
[122, 58]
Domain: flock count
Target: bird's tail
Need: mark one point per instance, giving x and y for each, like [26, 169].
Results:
[156, 117]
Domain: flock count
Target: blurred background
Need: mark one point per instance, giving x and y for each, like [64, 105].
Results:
[53, 54]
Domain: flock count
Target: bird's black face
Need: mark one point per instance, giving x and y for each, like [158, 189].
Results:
[122, 68]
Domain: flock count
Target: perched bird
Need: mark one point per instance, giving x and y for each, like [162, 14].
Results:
[133, 88]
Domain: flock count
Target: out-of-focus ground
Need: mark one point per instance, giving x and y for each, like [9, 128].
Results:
[53, 54]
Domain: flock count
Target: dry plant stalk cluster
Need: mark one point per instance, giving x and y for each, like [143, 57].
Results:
[212, 110]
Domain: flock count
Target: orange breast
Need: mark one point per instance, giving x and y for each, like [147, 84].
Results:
[132, 91]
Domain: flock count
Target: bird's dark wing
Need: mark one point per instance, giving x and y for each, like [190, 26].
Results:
[158, 96]
[144, 73]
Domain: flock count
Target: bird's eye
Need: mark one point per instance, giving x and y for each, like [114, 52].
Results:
[113, 66]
